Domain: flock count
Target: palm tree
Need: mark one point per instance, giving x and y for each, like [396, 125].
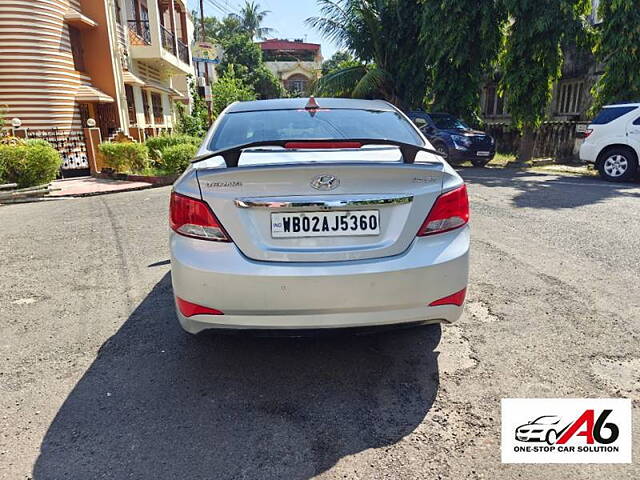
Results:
[251, 18]
[383, 36]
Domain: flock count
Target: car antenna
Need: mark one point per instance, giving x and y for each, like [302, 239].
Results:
[312, 104]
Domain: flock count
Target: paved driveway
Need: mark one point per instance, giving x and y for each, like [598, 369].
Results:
[97, 380]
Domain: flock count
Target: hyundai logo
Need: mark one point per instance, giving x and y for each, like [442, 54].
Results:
[325, 182]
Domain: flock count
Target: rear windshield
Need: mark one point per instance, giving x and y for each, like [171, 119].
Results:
[246, 127]
[609, 114]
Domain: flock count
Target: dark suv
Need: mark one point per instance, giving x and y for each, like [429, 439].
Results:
[454, 138]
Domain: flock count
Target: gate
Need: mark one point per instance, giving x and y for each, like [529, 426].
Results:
[71, 146]
[107, 119]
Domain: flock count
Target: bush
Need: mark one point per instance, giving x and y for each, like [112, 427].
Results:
[125, 156]
[29, 165]
[157, 145]
[176, 159]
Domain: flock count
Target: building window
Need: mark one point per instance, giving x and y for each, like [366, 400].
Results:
[76, 49]
[145, 107]
[296, 83]
[493, 102]
[131, 104]
[569, 95]
[156, 105]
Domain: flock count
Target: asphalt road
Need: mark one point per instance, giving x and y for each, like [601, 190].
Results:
[97, 381]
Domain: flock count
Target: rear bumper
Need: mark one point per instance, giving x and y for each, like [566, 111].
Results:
[588, 153]
[275, 295]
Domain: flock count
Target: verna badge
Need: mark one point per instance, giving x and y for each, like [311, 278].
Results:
[325, 182]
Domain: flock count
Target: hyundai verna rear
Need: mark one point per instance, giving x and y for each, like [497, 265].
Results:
[305, 214]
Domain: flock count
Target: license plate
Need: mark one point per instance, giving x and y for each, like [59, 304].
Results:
[483, 154]
[325, 224]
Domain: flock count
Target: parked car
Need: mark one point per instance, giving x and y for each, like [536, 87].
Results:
[543, 429]
[612, 142]
[454, 138]
[299, 216]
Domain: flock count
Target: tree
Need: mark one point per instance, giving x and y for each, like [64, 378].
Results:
[532, 59]
[251, 18]
[334, 63]
[228, 89]
[462, 40]
[618, 48]
[246, 59]
[197, 122]
[382, 35]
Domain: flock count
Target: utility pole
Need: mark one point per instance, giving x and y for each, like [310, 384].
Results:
[202, 19]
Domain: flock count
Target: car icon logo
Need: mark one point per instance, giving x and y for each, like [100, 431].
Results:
[325, 182]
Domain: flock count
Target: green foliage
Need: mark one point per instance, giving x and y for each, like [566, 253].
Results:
[38, 141]
[265, 84]
[380, 32]
[251, 18]
[196, 122]
[618, 47]
[239, 49]
[337, 61]
[461, 49]
[532, 58]
[228, 89]
[125, 156]
[157, 145]
[29, 165]
[176, 158]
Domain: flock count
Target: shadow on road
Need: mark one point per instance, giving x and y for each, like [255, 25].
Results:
[159, 404]
[545, 191]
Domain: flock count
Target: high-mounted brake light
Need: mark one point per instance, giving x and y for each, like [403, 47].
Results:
[450, 211]
[321, 145]
[193, 218]
[189, 309]
[453, 299]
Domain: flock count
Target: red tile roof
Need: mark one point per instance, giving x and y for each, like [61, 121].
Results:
[275, 44]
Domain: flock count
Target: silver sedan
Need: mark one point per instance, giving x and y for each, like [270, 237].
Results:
[315, 214]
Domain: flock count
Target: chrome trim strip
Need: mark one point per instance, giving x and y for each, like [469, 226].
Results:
[311, 202]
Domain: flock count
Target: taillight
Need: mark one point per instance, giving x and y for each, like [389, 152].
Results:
[189, 309]
[193, 218]
[587, 132]
[453, 299]
[450, 211]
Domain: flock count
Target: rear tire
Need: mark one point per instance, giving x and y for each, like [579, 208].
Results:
[618, 164]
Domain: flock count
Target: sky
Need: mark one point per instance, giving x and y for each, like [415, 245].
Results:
[286, 17]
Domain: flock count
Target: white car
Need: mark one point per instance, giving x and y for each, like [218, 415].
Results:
[305, 214]
[612, 142]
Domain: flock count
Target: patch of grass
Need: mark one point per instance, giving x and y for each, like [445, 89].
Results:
[502, 159]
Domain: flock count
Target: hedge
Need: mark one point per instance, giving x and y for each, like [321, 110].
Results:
[30, 164]
[125, 156]
[157, 145]
[176, 159]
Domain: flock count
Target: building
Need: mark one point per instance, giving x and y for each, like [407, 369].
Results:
[120, 62]
[296, 63]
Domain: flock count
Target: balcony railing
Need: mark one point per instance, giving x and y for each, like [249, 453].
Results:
[183, 52]
[141, 29]
[168, 40]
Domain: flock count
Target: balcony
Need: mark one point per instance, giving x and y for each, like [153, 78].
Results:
[157, 34]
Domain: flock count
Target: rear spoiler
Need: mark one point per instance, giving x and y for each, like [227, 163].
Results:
[232, 155]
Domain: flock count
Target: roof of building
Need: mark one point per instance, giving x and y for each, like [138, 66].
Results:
[277, 44]
[295, 103]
